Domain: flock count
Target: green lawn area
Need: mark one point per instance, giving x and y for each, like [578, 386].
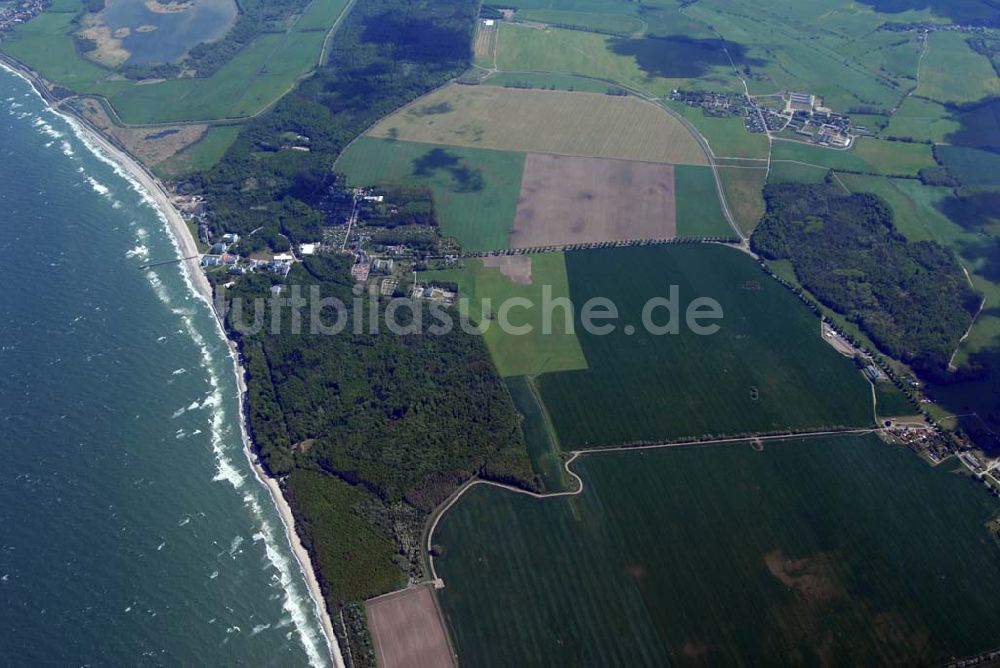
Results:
[475, 190]
[699, 213]
[256, 77]
[727, 136]
[867, 155]
[952, 72]
[766, 369]
[520, 354]
[891, 402]
[838, 550]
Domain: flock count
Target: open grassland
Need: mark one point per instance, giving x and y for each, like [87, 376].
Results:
[952, 72]
[475, 190]
[891, 402]
[839, 550]
[699, 213]
[743, 186]
[921, 120]
[560, 122]
[867, 155]
[793, 172]
[201, 155]
[605, 23]
[727, 136]
[515, 354]
[766, 369]
[652, 65]
[257, 76]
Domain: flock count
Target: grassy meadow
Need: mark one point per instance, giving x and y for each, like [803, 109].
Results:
[952, 72]
[839, 550]
[867, 155]
[742, 187]
[766, 369]
[475, 190]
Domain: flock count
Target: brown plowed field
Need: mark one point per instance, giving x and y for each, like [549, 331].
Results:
[570, 200]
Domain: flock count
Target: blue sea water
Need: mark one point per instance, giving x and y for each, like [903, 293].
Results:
[132, 528]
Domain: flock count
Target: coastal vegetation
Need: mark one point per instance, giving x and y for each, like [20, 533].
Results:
[371, 431]
[847, 252]
[839, 549]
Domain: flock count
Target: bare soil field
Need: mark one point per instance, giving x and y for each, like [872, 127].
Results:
[515, 267]
[407, 630]
[569, 200]
[545, 121]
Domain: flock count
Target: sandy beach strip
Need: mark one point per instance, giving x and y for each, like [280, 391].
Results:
[188, 248]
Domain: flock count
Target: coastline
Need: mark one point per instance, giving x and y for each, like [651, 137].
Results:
[187, 248]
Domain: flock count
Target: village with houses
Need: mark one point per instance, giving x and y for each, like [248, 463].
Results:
[15, 13]
[793, 115]
[383, 263]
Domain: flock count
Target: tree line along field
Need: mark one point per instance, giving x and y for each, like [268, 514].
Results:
[518, 276]
[478, 193]
[844, 550]
[765, 370]
[560, 122]
[256, 77]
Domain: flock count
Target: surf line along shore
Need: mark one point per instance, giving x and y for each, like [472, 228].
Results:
[187, 248]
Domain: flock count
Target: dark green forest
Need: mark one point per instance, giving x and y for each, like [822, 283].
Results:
[395, 423]
[911, 298]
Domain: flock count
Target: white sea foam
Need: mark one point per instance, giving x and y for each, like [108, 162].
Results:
[98, 187]
[138, 251]
[177, 372]
[258, 628]
[179, 412]
[296, 605]
[67, 148]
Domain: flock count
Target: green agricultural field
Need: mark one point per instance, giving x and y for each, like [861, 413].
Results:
[517, 354]
[765, 370]
[971, 166]
[255, 78]
[867, 155]
[891, 402]
[727, 136]
[952, 72]
[839, 550]
[615, 23]
[475, 190]
[921, 120]
[652, 65]
[743, 188]
[699, 213]
[203, 154]
[793, 172]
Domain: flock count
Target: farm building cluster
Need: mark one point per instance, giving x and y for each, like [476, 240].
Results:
[799, 112]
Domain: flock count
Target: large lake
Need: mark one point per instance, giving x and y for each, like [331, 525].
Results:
[176, 32]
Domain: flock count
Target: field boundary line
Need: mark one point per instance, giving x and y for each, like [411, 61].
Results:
[575, 454]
